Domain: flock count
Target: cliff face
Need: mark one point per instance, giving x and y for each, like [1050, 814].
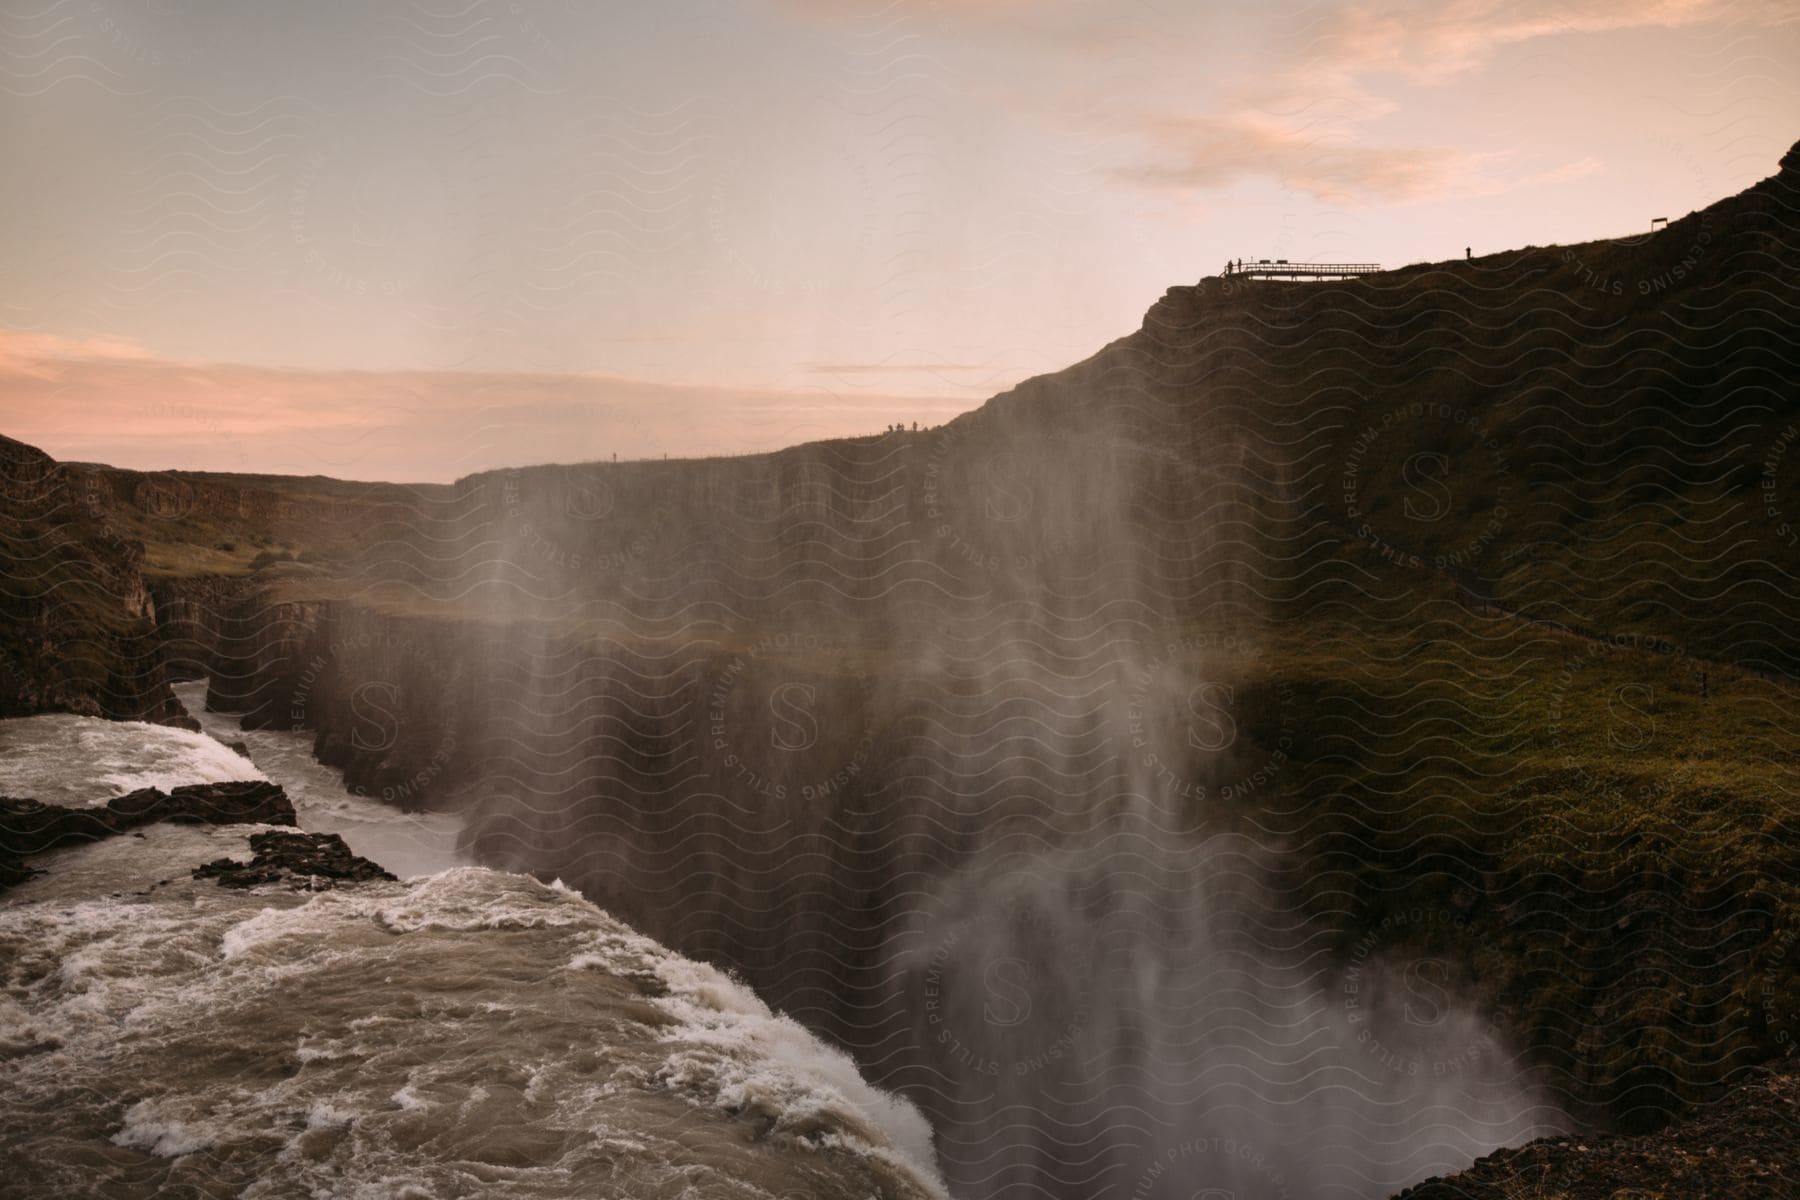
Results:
[396, 704]
[260, 659]
[79, 629]
[392, 700]
[118, 581]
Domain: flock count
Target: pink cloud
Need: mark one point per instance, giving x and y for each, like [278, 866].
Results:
[834, 9]
[1431, 40]
[1304, 118]
[38, 355]
[1205, 152]
[104, 402]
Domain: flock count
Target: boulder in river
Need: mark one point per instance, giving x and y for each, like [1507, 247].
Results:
[28, 827]
[310, 861]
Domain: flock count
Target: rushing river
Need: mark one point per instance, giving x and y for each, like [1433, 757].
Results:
[465, 1033]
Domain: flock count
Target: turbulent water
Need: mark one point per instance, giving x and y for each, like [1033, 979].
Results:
[75, 761]
[466, 1033]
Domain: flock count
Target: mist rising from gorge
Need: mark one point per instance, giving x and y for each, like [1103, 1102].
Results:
[954, 744]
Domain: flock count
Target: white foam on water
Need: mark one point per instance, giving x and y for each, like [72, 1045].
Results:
[460, 899]
[76, 762]
[306, 1053]
[408, 1099]
[326, 1115]
[20, 1032]
[739, 1056]
[432, 1037]
[86, 761]
[465, 898]
[134, 862]
[756, 1061]
[135, 1004]
[148, 1126]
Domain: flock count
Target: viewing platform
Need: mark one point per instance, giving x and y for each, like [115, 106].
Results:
[1281, 268]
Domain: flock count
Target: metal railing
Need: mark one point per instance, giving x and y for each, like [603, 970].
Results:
[1280, 268]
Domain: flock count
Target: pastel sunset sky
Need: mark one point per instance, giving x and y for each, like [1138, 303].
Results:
[415, 240]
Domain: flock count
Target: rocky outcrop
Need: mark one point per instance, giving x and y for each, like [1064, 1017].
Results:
[77, 625]
[1744, 1144]
[28, 827]
[284, 505]
[302, 861]
[116, 582]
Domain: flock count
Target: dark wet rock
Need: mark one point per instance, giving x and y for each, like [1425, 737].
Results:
[1745, 1144]
[28, 827]
[13, 871]
[77, 625]
[251, 801]
[313, 861]
[238, 748]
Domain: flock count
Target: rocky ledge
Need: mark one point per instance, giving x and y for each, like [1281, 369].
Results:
[28, 827]
[313, 862]
[1746, 1144]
